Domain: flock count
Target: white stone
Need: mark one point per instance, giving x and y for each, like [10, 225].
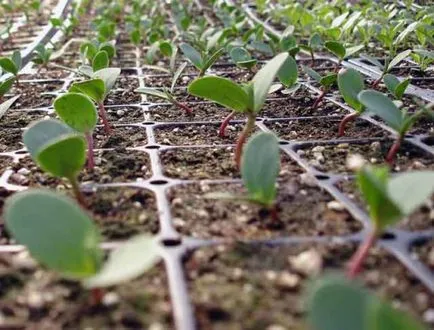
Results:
[428, 316]
[35, 300]
[110, 299]
[23, 171]
[288, 281]
[308, 179]
[308, 262]
[120, 113]
[335, 206]
[23, 260]
[318, 149]
[276, 327]
[355, 162]
[376, 146]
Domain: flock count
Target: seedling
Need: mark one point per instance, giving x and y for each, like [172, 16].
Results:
[95, 56]
[62, 237]
[201, 61]
[336, 303]
[350, 84]
[389, 200]
[242, 58]
[168, 94]
[58, 150]
[423, 57]
[247, 98]
[164, 47]
[42, 56]
[12, 65]
[325, 81]
[395, 86]
[400, 120]
[97, 89]
[340, 51]
[79, 112]
[5, 86]
[260, 167]
[315, 43]
[388, 65]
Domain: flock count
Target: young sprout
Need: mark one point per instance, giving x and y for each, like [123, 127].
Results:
[12, 65]
[350, 83]
[168, 94]
[79, 112]
[61, 236]
[5, 86]
[326, 83]
[340, 51]
[97, 89]
[388, 65]
[95, 56]
[164, 47]
[395, 86]
[389, 201]
[334, 303]
[201, 61]
[423, 57]
[41, 56]
[260, 167]
[58, 150]
[247, 98]
[400, 120]
[242, 58]
[315, 43]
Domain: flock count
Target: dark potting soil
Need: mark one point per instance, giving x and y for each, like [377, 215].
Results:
[125, 114]
[424, 251]
[260, 287]
[302, 210]
[120, 137]
[123, 97]
[10, 140]
[22, 118]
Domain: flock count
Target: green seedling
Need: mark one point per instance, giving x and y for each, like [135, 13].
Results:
[168, 94]
[201, 61]
[61, 236]
[42, 56]
[61, 24]
[247, 98]
[315, 43]
[335, 303]
[58, 150]
[97, 89]
[242, 58]
[260, 167]
[95, 56]
[79, 112]
[340, 51]
[395, 86]
[389, 201]
[5, 86]
[12, 65]
[350, 83]
[423, 57]
[164, 47]
[325, 81]
[389, 65]
[400, 120]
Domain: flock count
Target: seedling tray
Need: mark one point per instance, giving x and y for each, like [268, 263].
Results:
[224, 263]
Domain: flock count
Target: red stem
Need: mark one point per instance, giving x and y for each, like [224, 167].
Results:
[97, 295]
[242, 139]
[274, 214]
[90, 160]
[103, 115]
[376, 82]
[77, 192]
[356, 262]
[345, 121]
[319, 99]
[184, 107]
[225, 124]
[393, 150]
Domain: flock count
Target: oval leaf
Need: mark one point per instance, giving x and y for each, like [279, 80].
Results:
[108, 76]
[398, 58]
[336, 48]
[288, 72]
[100, 61]
[8, 65]
[6, 85]
[350, 84]
[94, 88]
[192, 55]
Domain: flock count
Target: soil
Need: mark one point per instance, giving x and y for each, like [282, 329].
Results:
[258, 287]
[209, 163]
[121, 137]
[302, 210]
[125, 114]
[22, 118]
[10, 140]
[123, 97]
[334, 155]
[424, 251]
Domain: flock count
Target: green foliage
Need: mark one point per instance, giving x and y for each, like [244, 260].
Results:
[395, 86]
[94, 88]
[201, 61]
[42, 55]
[325, 81]
[350, 83]
[100, 61]
[242, 58]
[288, 73]
[13, 64]
[6, 85]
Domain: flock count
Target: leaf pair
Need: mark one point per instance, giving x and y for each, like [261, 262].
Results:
[12, 65]
[388, 66]
[6, 85]
[61, 236]
[42, 55]
[340, 51]
[201, 61]
[325, 81]
[98, 55]
[242, 58]
[395, 86]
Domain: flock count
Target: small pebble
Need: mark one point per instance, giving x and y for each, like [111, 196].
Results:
[418, 165]
[177, 202]
[428, 316]
[308, 179]
[375, 146]
[301, 152]
[343, 146]
[23, 260]
[308, 262]
[318, 149]
[110, 299]
[287, 280]
[178, 222]
[355, 162]
[120, 113]
[276, 327]
[35, 300]
[23, 171]
[335, 206]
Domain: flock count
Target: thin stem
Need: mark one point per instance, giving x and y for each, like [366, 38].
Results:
[225, 123]
[345, 121]
[243, 137]
[313, 58]
[320, 98]
[274, 214]
[182, 106]
[377, 82]
[90, 160]
[338, 65]
[97, 295]
[103, 116]
[77, 192]
[356, 262]
[61, 67]
[393, 150]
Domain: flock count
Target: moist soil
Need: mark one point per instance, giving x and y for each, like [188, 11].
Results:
[424, 251]
[421, 219]
[262, 287]
[120, 137]
[210, 163]
[33, 298]
[11, 140]
[22, 118]
[334, 156]
[121, 97]
[302, 210]
[125, 114]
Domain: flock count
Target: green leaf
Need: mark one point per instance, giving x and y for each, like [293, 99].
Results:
[240, 54]
[352, 50]
[18, 61]
[109, 76]
[391, 82]
[8, 65]
[94, 88]
[100, 61]
[192, 55]
[176, 75]
[212, 59]
[6, 105]
[411, 190]
[264, 78]
[372, 183]
[336, 48]
[288, 72]
[406, 32]
[6, 85]
[260, 167]
[398, 58]
[311, 73]
[338, 21]
[127, 262]
[401, 88]
[153, 92]
[373, 61]
[350, 84]
[109, 48]
[166, 48]
[88, 50]
[315, 40]
[77, 110]
[222, 91]
[382, 106]
[55, 230]
[328, 80]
